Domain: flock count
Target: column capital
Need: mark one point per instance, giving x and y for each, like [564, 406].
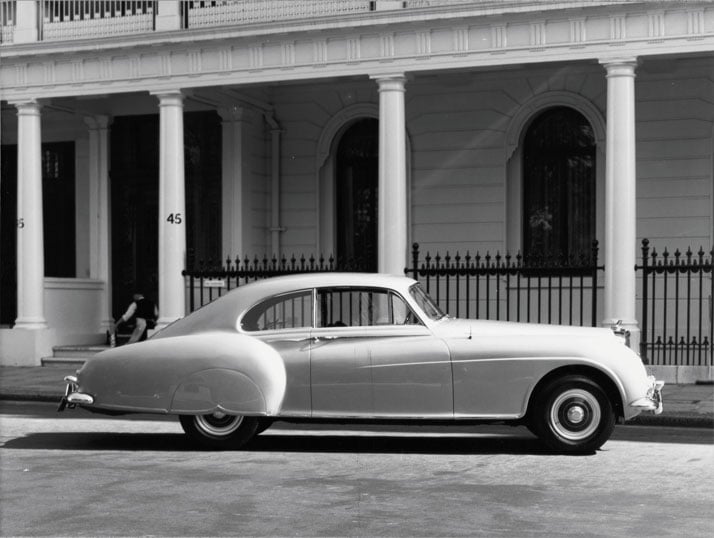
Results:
[99, 121]
[620, 66]
[27, 105]
[170, 97]
[390, 81]
[231, 113]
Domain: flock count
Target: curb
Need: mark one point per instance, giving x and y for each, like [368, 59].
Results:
[672, 421]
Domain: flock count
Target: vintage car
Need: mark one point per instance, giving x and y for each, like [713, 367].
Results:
[366, 347]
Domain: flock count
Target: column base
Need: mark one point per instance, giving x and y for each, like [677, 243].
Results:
[31, 324]
[26, 347]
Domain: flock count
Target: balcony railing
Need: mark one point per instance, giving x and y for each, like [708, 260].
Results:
[61, 20]
[7, 21]
[200, 14]
[94, 19]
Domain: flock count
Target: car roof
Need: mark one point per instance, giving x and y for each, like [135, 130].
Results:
[222, 314]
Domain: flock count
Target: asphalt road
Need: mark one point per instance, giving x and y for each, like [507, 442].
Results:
[77, 474]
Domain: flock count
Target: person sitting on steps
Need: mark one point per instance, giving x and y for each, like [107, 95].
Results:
[143, 313]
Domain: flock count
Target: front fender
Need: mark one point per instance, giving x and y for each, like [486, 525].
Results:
[188, 374]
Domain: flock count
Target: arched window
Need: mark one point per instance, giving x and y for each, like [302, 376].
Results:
[356, 196]
[559, 185]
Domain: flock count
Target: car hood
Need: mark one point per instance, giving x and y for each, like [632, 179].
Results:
[463, 328]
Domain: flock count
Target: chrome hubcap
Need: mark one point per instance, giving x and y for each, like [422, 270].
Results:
[218, 424]
[575, 415]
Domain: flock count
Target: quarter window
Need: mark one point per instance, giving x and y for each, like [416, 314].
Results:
[350, 307]
[289, 311]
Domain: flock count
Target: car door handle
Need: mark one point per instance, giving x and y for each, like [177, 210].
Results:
[319, 338]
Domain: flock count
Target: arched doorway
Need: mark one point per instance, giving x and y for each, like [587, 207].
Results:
[356, 180]
[559, 184]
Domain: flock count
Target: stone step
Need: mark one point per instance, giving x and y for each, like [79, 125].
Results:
[77, 351]
[63, 361]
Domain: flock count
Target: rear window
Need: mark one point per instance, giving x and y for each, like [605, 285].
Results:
[288, 311]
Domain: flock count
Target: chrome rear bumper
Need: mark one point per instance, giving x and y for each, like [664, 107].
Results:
[72, 397]
[653, 401]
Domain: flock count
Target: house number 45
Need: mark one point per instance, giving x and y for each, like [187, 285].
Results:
[174, 218]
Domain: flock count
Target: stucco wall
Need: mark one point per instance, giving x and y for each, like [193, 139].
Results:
[457, 126]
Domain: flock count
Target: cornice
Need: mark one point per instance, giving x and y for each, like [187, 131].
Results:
[425, 41]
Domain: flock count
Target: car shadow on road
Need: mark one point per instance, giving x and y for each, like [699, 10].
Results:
[379, 443]
[521, 442]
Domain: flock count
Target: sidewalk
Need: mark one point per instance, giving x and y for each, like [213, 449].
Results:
[684, 405]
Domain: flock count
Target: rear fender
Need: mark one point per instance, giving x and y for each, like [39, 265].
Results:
[219, 389]
[193, 374]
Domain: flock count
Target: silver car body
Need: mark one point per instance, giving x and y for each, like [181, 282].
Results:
[434, 369]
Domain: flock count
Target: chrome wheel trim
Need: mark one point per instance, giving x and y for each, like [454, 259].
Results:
[218, 424]
[575, 415]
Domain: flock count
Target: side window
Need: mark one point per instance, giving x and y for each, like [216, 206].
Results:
[350, 307]
[289, 311]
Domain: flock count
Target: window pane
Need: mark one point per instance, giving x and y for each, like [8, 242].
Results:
[58, 197]
[349, 307]
[559, 185]
[290, 311]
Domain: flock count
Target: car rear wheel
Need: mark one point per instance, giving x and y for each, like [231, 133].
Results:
[573, 415]
[219, 430]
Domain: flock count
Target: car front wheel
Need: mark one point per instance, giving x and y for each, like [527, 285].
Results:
[219, 430]
[574, 415]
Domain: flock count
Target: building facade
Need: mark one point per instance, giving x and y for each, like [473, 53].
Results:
[141, 134]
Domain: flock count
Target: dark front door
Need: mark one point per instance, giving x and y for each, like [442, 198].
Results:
[8, 234]
[356, 193]
[135, 200]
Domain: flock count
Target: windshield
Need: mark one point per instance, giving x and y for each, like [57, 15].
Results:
[426, 303]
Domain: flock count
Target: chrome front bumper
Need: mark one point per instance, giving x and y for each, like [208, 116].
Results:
[72, 397]
[653, 401]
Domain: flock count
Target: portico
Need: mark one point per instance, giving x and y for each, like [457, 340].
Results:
[444, 98]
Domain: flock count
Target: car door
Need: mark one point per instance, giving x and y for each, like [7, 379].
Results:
[371, 356]
[284, 322]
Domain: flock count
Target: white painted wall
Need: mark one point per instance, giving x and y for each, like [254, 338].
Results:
[457, 125]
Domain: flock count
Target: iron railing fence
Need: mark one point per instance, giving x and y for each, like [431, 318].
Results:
[676, 322]
[542, 289]
[675, 297]
[511, 288]
[210, 280]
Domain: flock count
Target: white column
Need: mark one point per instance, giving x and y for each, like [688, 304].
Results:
[234, 214]
[275, 228]
[392, 191]
[172, 209]
[30, 235]
[620, 200]
[100, 223]
[26, 19]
